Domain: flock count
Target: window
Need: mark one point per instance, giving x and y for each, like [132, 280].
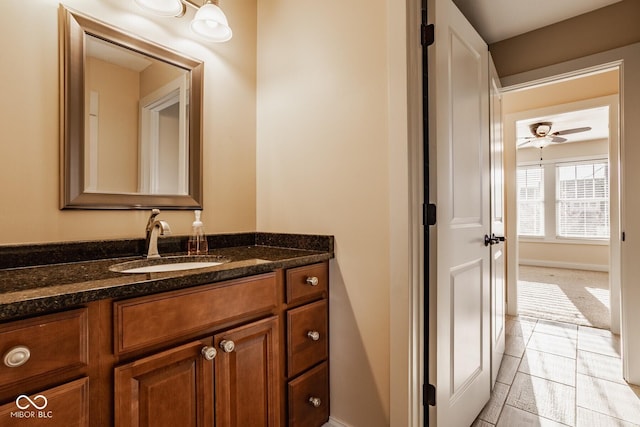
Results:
[582, 194]
[530, 201]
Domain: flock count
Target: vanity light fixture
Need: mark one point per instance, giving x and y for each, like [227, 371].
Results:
[209, 22]
[169, 8]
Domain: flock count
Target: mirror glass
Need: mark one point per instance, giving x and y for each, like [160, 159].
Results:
[131, 123]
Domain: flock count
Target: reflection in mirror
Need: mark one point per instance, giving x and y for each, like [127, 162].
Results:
[132, 121]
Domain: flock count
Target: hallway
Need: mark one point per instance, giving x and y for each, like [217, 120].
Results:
[560, 374]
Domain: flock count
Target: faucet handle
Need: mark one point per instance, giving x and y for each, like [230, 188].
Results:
[154, 213]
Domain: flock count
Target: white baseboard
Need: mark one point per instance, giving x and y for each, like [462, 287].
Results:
[333, 422]
[560, 264]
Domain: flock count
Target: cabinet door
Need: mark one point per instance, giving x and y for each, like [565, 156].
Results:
[172, 388]
[247, 376]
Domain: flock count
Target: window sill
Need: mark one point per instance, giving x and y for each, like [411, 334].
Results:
[565, 241]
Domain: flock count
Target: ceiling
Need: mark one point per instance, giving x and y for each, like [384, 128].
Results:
[497, 20]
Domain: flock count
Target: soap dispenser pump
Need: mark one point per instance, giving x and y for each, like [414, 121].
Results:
[197, 244]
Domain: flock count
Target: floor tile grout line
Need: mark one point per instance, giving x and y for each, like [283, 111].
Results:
[533, 413]
[605, 414]
[533, 322]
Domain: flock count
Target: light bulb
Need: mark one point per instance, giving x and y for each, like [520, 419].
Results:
[211, 23]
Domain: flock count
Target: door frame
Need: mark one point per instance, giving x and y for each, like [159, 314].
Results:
[612, 102]
[628, 58]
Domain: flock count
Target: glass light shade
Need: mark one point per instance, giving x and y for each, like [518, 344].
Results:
[211, 24]
[542, 142]
[162, 7]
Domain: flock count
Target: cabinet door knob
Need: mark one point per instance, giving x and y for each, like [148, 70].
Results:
[227, 346]
[208, 352]
[312, 280]
[315, 402]
[17, 356]
[314, 335]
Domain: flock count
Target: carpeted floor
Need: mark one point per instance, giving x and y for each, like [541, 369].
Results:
[574, 296]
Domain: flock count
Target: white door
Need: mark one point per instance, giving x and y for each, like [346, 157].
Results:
[459, 135]
[498, 264]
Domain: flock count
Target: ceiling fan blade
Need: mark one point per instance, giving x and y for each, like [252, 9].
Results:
[558, 139]
[569, 131]
[522, 144]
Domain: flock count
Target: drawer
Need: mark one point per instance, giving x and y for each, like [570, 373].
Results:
[307, 336]
[307, 282]
[66, 405]
[50, 344]
[156, 319]
[309, 398]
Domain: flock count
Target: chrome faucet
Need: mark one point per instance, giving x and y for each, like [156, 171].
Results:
[155, 228]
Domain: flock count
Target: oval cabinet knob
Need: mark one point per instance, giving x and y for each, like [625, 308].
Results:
[209, 352]
[227, 346]
[315, 402]
[312, 281]
[314, 335]
[17, 356]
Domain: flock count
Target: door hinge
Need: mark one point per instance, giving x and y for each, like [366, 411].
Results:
[428, 34]
[428, 395]
[429, 214]
[623, 236]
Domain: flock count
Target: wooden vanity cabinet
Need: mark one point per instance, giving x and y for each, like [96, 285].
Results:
[43, 371]
[228, 377]
[307, 332]
[247, 352]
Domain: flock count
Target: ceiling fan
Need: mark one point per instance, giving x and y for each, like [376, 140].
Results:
[542, 135]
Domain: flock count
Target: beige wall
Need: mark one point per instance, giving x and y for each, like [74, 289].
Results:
[157, 75]
[29, 187]
[565, 255]
[603, 29]
[118, 91]
[323, 168]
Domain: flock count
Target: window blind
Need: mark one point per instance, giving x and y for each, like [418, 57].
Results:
[582, 192]
[530, 182]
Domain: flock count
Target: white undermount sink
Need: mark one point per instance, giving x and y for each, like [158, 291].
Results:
[159, 265]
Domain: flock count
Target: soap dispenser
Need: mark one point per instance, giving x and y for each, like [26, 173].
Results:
[197, 244]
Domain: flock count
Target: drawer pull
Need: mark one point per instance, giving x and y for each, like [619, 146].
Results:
[314, 335]
[312, 281]
[315, 402]
[209, 353]
[17, 356]
[227, 346]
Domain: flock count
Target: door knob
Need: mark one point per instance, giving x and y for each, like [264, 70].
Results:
[493, 240]
[488, 240]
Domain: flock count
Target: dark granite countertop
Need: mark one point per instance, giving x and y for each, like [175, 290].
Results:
[49, 277]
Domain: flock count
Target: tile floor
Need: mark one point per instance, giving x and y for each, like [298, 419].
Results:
[560, 374]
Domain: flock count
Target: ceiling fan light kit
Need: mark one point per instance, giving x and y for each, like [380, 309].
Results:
[542, 135]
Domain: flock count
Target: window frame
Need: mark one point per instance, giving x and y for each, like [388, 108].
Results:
[551, 228]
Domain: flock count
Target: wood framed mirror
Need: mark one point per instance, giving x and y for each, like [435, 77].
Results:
[131, 120]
